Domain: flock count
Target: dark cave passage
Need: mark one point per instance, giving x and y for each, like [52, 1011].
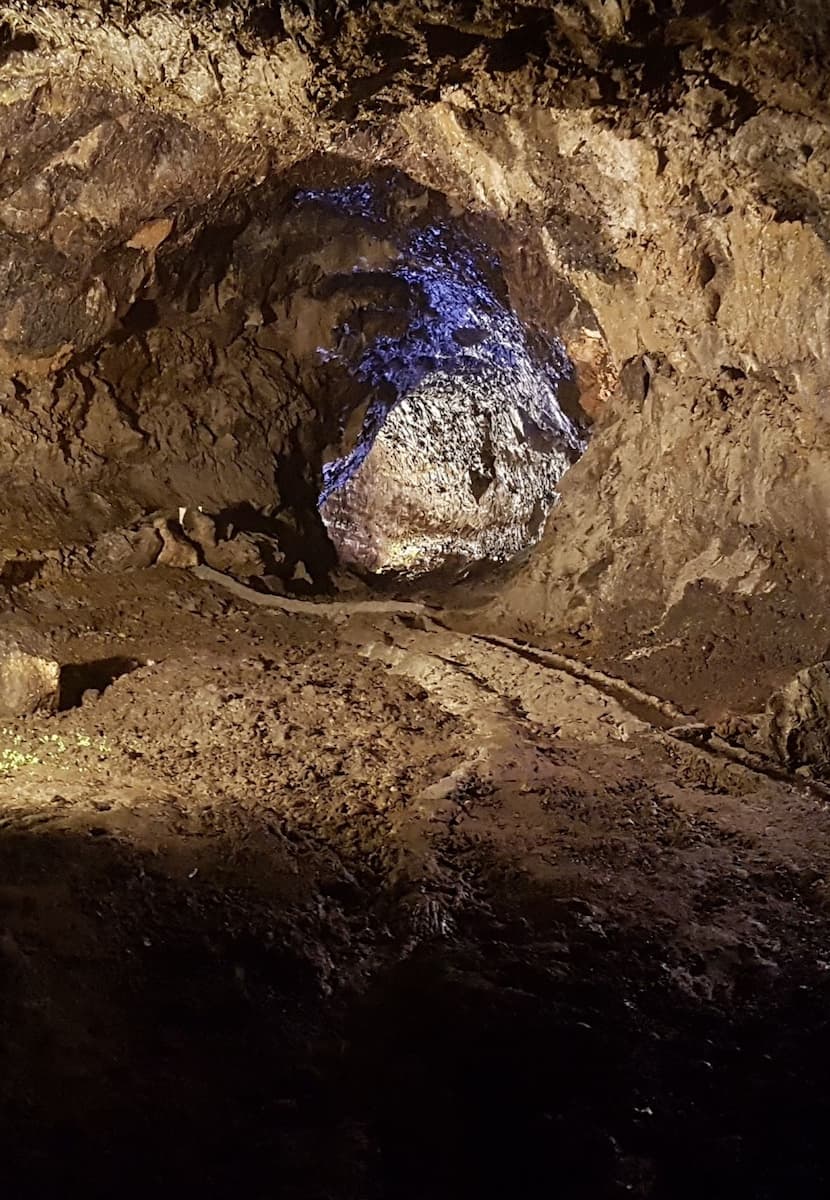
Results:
[351, 351]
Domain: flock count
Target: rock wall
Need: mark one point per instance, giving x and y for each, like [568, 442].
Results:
[690, 543]
[460, 474]
[661, 167]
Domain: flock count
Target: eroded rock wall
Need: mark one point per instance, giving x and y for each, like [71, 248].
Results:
[694, 535]
[665, 162]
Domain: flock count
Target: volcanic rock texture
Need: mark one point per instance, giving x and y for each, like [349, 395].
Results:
[458, 472]
[425, 901]
[655, 172]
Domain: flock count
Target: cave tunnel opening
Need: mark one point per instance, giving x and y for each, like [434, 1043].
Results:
[338, 377]
[372, 823]
[455, 454]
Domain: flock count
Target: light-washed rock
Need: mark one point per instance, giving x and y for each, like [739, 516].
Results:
[28, 682]
[798, 720]
[176, 551]
[465, 468]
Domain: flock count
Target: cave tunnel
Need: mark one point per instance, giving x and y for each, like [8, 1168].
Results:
[414, 639]
[355, 341]
[454, 455]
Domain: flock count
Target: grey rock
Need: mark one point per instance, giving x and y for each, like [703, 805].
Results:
[465, 468]
[127, 550]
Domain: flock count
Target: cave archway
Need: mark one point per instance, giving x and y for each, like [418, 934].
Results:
[328, 369]
[471, 416]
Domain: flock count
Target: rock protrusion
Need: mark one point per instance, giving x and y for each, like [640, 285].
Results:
[127, 550]
[177, 551]
[28, 681]
[798, 721]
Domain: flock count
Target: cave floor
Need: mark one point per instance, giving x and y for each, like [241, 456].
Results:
[365, 908]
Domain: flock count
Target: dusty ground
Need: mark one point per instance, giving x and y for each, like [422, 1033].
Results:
[366, 909]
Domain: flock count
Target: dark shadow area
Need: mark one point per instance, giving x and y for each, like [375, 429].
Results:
[168, 1032]
[19, 571]
[497, 1073]
[79, 678]
[141, 316]
[13, 42]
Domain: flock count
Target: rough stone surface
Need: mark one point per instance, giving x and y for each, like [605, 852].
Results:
[462, 471]
[242, 555]
[28, 682]
[129, 550]
[358, 903]
[271, 844]
[176, 550]
[652, 173]
[798, 720]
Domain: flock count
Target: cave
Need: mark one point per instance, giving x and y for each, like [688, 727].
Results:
[414, 639]
[453, 457]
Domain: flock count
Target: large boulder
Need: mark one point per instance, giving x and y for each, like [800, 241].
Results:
[798, 720]
[29, 682]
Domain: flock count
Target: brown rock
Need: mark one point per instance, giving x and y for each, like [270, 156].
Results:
[798, 721]
[28, 682]
[200, 528]
[150, 236]
[130, 550]
[177, 551]
[241, 556]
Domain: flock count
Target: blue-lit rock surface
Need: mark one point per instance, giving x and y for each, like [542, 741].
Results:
[460, 470]
[464, 439]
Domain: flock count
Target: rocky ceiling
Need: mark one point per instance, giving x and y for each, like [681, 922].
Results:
[653, 176]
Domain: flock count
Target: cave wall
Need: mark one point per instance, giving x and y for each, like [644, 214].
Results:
[695, 532]
[665, 161]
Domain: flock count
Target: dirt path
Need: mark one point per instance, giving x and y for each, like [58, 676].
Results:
[660, 713]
